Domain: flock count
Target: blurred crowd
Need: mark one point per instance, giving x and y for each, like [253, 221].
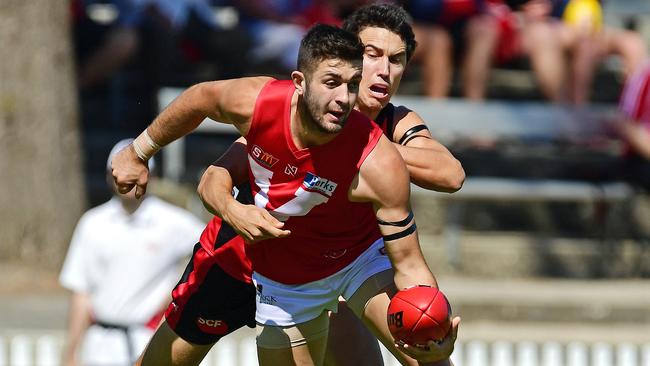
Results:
[127, 50]
[562, 40]
[179, 42]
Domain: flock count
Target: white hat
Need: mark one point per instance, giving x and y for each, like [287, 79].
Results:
[121, 145]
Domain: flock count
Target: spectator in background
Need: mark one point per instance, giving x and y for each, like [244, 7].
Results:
[164, 31]
[277, 26]
[566, 40]
[122, 263]
[634, 129]
[634, 126]
[591, 41]
[528, 30]
[447, 28]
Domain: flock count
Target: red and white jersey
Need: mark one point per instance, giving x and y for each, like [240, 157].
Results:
[227, 247]
[308, 189]
[635, 100]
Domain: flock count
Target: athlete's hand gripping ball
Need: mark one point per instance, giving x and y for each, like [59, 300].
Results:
[419, 318]
[419, 314]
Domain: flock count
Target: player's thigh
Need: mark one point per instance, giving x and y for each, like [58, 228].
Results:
[374, 316]
[302, 344]
[310, 354]
[167, 348]
[350, 342]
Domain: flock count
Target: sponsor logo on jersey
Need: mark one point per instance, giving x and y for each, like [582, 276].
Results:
[212, 326]
[290, 170]
[315, 183]
[263, 157]
[265, 299]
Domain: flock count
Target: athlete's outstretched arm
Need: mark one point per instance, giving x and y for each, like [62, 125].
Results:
[389, 194]
[249, 221]
[430, 164]
[228, 101]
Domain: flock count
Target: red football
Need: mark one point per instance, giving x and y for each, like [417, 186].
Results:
[419, 314]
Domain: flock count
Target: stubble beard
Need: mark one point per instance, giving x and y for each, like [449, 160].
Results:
[309, 111]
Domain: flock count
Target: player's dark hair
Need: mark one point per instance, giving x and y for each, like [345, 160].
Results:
[326, 42]
[388, 16]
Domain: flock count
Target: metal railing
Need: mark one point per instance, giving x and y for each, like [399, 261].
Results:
[34, 349]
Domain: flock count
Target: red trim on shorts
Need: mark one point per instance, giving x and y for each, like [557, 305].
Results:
[227, 249]
[232, 259]
[182, 292]
[155, 320]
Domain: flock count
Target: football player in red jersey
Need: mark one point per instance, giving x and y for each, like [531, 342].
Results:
[392, 62]
[389, 44]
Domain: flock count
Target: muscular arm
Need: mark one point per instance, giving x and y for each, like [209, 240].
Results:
[429, 163]
[250, 222]
[227, 101]
[79, 319]
[389, 194]
[219, 178]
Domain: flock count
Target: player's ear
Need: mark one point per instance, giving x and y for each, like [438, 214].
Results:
[298, 79]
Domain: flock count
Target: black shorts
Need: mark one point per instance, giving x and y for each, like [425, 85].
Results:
[208, 303]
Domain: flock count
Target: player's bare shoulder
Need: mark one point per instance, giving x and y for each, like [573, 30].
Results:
[382, 177]
[405, 119]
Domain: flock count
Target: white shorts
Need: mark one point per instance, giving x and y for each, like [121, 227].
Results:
[284, 305]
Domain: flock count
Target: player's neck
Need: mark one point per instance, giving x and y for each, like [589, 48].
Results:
[367, 111]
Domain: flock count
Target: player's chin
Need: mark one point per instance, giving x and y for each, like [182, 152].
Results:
[332, 124]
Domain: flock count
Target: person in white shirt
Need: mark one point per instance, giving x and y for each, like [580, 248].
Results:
[124, 258]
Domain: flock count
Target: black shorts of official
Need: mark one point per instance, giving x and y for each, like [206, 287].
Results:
[208, 303]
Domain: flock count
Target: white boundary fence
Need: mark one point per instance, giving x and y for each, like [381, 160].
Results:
[45, 350]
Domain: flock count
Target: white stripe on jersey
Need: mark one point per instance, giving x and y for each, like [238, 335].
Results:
[263, 180]
[300, 203]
